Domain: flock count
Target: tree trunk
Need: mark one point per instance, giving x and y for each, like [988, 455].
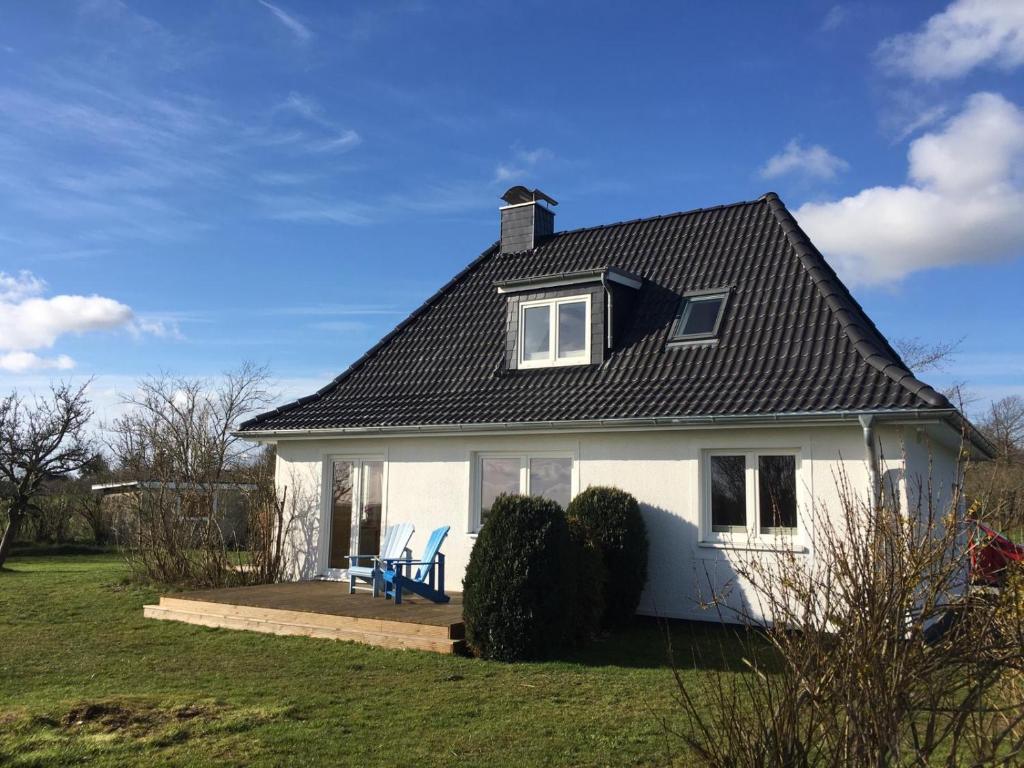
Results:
[13, 526]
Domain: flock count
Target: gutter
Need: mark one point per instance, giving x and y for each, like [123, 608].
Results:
[892, 416]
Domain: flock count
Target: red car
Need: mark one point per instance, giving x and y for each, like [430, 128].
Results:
[991, 552]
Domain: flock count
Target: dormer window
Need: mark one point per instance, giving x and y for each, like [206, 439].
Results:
[554, 332]
[700, 316]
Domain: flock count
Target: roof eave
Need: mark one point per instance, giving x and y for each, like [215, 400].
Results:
[889, 415]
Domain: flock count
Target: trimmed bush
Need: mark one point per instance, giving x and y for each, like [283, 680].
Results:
[588, 607]
[520, 582]
[612, 521]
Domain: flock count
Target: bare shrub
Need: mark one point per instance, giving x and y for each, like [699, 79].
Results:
[271, 516]
[998, 486]
[52, 519]
[96, 517]
[879, 652]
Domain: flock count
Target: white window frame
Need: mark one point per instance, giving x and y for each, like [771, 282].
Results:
[553, 360]
[327, 499]
[477, 476]
[753, 536]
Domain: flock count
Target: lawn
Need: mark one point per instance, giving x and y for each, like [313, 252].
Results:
[84, 679]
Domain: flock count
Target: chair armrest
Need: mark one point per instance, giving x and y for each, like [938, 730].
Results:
[353, 558]
[405, 562]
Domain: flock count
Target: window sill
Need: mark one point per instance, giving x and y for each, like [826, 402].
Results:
[795, 547]
[696, 341]
[572, 362]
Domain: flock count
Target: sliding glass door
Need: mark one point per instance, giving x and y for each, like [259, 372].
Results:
[355, 516]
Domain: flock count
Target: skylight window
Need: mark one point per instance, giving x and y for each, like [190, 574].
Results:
[700, 315]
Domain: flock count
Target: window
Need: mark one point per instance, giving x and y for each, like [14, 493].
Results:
[728, 493]
[751, 493]
[547, 475]
[554, 332]
[552, 479]
[776, 493]
[497, 476]
[699, 316]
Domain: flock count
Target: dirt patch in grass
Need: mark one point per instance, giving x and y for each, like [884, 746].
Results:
[131, 718]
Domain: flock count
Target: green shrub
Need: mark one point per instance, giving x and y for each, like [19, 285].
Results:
[520, 582]
[612, 520]
[588, 607]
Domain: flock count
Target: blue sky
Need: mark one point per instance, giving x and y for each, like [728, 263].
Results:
[184, 186]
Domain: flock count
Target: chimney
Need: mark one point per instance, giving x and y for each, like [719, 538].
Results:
[526, 219]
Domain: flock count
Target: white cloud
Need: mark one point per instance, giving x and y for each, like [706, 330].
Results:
[305, 106]
[21, 286]
[968, 34]
[296, 27]
[834, 18]
[29, 321]
[912, 116]
[37, 322]
[342, 143]
[158, 327]
[505, 172]
[19, 362]
[304, 208]
[961, 204]
[337, 139]
[524, 163]
[814, 162]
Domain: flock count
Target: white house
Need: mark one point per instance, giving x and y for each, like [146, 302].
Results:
[709, 362]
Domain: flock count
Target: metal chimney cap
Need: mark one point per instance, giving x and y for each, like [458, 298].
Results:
[519, 194]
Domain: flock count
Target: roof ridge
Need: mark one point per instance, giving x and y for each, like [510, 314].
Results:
[861, 331]
[659, 216]
[255, 420]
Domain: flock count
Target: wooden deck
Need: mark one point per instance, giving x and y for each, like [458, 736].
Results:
[321, 609]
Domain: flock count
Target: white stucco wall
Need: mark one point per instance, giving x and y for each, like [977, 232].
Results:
[428, 481]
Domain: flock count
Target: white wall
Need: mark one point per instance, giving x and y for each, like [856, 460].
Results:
[428, 482]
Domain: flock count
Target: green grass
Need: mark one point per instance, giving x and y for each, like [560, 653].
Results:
[84, 679]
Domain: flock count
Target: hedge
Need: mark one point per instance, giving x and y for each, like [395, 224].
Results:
[612, 521]
[521, 582]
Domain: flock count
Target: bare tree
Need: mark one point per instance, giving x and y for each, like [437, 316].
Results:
[177, 434]
[920, 355]
[1004, 426]
[40, 441]
[181, 428]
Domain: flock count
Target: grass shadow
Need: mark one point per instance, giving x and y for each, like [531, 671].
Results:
[651, 643]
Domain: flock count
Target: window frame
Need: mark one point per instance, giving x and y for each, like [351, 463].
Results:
[476, 476]
[358, 458]
[753, 535]
[682, 315]
[553, 361]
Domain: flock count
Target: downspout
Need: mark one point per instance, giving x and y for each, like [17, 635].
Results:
[871, 454]
[609, 318]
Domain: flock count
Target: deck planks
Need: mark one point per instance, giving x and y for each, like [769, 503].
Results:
[320, 609]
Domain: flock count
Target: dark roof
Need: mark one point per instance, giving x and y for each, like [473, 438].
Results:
[793, 339]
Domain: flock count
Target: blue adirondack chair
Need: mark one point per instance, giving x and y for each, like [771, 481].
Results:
[427, 582]
[396, 545]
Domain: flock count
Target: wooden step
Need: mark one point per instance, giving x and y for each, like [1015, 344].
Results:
[197, 612]
[311, 618]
